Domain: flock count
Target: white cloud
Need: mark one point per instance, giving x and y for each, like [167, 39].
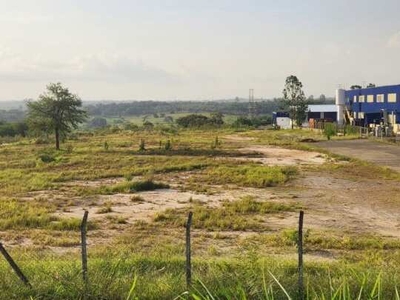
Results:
[394, 40]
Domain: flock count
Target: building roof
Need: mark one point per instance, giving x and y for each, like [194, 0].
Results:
[322, 108]
[392, 86]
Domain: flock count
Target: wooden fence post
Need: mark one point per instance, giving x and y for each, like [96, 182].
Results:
[83, 244]
[300, 250]
[13, 265]
[188, 252]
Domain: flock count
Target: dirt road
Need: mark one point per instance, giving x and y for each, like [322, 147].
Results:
[375, 152]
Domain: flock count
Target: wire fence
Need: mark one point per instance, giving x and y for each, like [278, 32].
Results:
[19, 271]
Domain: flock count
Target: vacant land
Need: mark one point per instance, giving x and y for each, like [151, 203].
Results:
[245, 190]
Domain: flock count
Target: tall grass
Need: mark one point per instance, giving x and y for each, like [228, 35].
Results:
[119, 275]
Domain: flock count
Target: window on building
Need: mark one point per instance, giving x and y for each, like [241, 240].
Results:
[370, 98]
[355, 99]
[361, 99]
[361, 115]
[380, 98]
[392, 98]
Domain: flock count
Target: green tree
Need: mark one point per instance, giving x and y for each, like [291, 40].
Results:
[193, 120]
[56, 110]
[217, 118]
[294, 100]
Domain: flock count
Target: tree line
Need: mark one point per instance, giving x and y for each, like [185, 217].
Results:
[139, 108]
[57, 111]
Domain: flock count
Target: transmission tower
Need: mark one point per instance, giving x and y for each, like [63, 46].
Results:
[252, 104]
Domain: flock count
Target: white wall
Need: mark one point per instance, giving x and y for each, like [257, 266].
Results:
[284, 122]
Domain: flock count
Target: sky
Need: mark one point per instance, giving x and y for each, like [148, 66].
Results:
[195, 50]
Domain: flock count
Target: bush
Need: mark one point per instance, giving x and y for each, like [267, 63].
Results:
[47, 158]
[253, 122]
[329, 130]
[131, 126]
[193, 120]
[142, 145]
[168, 145]
[69, 148]
[147, 185]
[131, 187]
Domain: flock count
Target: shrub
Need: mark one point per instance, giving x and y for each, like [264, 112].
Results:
[193, 120]
[329, 130]
[105, 209]
[137, 199]
[69, 149]
[142, 145]
[147, 185]
[131, 187]
[168, 145]
[46, 158]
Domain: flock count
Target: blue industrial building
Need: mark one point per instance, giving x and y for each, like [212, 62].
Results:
[375, 105]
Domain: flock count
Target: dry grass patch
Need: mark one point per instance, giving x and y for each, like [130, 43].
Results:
[241, 215]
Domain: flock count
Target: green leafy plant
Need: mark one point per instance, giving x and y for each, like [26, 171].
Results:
[329, 130]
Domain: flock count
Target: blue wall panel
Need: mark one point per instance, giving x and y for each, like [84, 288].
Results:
[374, 107]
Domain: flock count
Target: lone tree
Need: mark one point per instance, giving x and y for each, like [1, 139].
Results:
[294, 100]
[56, 110]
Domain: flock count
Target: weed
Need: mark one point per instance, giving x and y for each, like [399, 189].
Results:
[137, 199]
[105, 209]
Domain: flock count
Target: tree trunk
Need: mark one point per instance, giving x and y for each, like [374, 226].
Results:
[57, 139]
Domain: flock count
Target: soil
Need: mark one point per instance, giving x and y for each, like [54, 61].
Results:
[331, 203]
[283, 157]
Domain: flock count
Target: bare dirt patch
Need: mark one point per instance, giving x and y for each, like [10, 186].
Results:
[363, 206]
[94, 183]
[157, 201]
[284, 157]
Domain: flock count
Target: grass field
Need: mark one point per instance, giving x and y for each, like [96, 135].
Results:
[245, 189]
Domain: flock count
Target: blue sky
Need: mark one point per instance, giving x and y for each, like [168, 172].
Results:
[195, 49]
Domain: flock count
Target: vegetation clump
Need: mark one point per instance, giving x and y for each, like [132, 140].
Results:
[106, 208]
[197, 120]
[329, 130]
[233, 215]
[250, 175]
[130, 187]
